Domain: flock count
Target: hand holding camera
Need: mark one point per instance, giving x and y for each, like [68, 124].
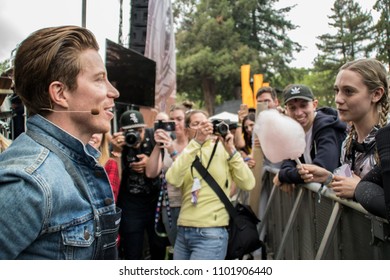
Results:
[132, 137]
[139, 165]
[163, 138]
[220, 128]
[228, 142]
[162, 133]
[117, 141]
[204, 131]
[164, 125]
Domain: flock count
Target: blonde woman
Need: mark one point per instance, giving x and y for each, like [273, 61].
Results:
[101, 142]
[361, 92]
[172, 196]
[202, 222]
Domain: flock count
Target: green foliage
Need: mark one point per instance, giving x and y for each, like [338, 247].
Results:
[353, 38]
[184, 96]
[5, 65]
[214, 38]
[321, 84]
[382, 28]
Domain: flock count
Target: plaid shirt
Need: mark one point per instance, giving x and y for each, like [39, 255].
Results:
[111, 168]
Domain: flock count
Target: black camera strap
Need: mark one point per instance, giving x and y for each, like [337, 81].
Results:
[213, 152]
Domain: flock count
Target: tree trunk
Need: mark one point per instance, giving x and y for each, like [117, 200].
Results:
[208, 87]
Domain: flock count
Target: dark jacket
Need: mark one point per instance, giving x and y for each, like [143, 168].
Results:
[328, 134]
[132, 182]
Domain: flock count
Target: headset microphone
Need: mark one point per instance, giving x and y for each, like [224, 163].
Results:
[93, 111]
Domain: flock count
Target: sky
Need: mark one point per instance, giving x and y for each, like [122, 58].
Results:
[312, 18]
[19, 18]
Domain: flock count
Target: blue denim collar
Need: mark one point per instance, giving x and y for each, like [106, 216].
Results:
[66, 142]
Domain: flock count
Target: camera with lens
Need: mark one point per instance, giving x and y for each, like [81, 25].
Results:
[220, 128]
[166, 125]
[132, 137]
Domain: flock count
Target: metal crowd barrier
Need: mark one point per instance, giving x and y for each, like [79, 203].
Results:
[313, 223]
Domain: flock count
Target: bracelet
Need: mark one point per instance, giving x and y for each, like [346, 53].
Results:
[174, 153]
[232, 155]
[116, 154]
[329, 179]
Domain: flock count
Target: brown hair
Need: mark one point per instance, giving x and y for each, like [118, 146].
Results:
[192, 112]
[247, 136]
[269, 90]
[47, 55]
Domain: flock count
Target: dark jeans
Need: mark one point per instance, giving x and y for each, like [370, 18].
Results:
[134, 223]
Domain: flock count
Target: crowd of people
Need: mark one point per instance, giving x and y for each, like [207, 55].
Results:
[79, 190]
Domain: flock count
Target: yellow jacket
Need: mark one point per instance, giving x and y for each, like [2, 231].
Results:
[209, 211]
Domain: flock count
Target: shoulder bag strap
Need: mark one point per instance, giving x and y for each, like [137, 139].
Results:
[216, 188]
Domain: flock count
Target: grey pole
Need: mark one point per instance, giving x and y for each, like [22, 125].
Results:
[84, 14]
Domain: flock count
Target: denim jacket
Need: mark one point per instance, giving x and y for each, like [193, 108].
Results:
[44, 213]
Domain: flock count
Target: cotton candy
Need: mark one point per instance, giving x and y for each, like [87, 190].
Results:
[281, 137]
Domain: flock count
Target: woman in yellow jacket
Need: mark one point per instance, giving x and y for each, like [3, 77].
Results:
[203, 219]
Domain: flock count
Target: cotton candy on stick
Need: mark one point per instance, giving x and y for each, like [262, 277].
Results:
[281, 137]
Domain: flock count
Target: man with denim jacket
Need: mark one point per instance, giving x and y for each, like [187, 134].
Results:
[55, 198]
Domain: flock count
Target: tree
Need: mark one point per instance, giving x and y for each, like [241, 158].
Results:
[5, 65]
[209, 50]
[382, 38]
[214, 38]
[353, 38]
[264, 28]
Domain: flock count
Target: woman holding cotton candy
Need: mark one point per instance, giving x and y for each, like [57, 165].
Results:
[324, 133]
[361, 92]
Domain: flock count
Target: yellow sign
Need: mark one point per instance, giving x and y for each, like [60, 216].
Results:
[247, 94]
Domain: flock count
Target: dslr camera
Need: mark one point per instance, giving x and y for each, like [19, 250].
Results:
[220, 128]
[132, 138]
[166, 125]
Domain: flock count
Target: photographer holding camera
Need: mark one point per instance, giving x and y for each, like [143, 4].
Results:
[138, 194]
[203, 219]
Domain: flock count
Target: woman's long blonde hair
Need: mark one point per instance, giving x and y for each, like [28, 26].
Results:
[104, 148]
[4, 143]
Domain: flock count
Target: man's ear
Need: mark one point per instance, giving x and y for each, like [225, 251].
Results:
[57, 95]
[315, 103]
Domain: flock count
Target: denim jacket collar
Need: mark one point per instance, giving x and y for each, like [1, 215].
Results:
[66, 142]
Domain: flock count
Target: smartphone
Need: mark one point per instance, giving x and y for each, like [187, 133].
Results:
[244, 108]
